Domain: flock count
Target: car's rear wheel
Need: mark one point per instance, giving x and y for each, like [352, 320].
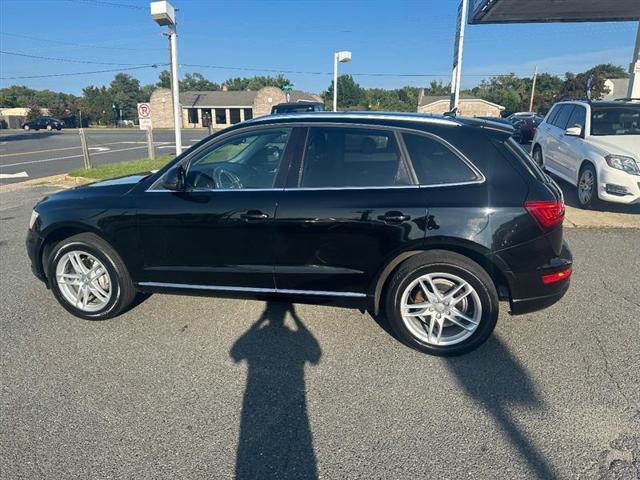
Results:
[26, 127]
[441, 303]
[88, 278]
[588, 187]
[49, 127]
[537, 156]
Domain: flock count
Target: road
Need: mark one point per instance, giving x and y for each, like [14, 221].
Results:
[40, 154]
[183, 387]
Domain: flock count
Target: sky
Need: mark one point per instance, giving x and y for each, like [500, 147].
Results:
[400, 37]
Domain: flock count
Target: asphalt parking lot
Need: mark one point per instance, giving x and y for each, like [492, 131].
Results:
[29, 155]
[183, 387]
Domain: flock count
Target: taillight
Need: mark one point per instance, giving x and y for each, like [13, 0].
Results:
[556, 277]
[548, 214]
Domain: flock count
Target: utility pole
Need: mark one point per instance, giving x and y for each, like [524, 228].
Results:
[634, 70]
[164, 14]
[338, 57]
[533, 88]
[457, 56]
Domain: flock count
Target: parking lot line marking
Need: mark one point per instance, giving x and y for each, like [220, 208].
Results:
[70, 156]
[13, 175]
[65, 148]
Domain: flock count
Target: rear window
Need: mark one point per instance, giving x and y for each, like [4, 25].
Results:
[435, 163]
[526, 159]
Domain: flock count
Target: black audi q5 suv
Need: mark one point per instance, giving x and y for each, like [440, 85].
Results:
[426, 221]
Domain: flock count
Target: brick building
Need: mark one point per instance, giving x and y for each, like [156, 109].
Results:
[468, 105]
[224, 108]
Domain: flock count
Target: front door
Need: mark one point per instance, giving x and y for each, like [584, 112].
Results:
[218, 232]
[348, 209]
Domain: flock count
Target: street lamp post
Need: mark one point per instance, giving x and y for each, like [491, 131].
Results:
[338, 57]
[164, 14]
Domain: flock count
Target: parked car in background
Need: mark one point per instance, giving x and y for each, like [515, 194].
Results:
[297, 107]
[594, 146]
[517, 115]
[525, 127]
[43, 123]
[428, 220]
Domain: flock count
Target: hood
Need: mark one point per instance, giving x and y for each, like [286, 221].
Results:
[618, 144]
[112, 187]
[128, 180]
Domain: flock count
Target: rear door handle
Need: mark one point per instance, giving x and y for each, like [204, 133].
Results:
[254, 215]
[394, 217]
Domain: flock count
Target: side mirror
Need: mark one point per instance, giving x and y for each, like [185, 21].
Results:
[575, 131]
[174, 179]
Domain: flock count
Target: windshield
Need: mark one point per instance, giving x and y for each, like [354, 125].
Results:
[616, 120]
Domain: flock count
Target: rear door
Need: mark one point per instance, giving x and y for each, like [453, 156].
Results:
[350, 206]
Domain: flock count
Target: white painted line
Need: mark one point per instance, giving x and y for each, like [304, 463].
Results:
[13, 175]
[71, 156]
[100, 149]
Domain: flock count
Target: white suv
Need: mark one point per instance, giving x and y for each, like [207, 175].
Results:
[595, 146]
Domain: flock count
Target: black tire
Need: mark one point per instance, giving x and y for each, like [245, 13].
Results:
[441, 261]
[537, 156]
[588, 200]
[123, 290]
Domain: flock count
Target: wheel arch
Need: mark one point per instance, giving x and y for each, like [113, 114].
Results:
[59, 232]
[477, 253]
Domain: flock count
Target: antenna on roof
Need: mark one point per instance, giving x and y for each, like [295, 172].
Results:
[453, 113]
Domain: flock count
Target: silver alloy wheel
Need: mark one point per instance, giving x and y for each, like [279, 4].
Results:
[441, 309]
[585, 186]
[83, 281]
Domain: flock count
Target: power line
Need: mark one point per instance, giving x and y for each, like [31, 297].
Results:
[41, 57]
[24, 77]
[101, 3]
[71, 44]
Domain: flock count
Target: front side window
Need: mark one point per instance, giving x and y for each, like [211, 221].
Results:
[435, 163]
[578, 118]
[563, 116]
[245, 161]
[352, 157]
[615, 120]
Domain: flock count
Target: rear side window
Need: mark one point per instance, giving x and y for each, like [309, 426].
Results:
[435, 163]
[352, 157]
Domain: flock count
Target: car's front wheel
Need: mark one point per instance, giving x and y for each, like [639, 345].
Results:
[49, 127]
[26, 127]
[442, 303]
[588, 187]
[88, 277]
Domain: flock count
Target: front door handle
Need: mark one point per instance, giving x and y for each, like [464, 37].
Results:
[394, 217]
[254, 215]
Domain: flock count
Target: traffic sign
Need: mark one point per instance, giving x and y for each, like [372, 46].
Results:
[144, 116]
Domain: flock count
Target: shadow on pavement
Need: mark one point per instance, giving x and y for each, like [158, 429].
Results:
[493, 377]
[26, 135]
[275, 435]
[571, 199]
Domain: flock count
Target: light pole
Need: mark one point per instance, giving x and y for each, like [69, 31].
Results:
[338, 57]
[164, 14]
[457, 57]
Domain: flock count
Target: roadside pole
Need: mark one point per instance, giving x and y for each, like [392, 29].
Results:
[634, 80]
[457, 56]
[533, 88]
[150, 147]
[175, 89]
[85, 149]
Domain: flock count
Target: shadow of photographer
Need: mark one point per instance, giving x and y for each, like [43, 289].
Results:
[275, 435]
[496, 379]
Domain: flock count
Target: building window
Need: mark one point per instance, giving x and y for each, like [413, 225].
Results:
[206, 116]
[248, 113]
[193, 115]
[221, 115]
[234, 113]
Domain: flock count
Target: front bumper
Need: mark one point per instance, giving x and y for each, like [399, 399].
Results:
[34, 243]
[618, 187]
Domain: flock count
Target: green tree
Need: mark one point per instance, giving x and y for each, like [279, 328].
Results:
[197, 81]
[510, 91]
[96, 105]
[164, 79]
[256, 83]
[350, 93]
[33, 112]
[126, 93]
[437, 88]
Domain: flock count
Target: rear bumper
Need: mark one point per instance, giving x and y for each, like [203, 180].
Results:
[528, 292]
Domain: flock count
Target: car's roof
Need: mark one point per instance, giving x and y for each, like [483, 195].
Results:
[298, 103]
[387, 118]
[601, 103]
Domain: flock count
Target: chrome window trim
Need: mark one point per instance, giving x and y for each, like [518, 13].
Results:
[305, 123]
[222, 288]
[336, 117]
